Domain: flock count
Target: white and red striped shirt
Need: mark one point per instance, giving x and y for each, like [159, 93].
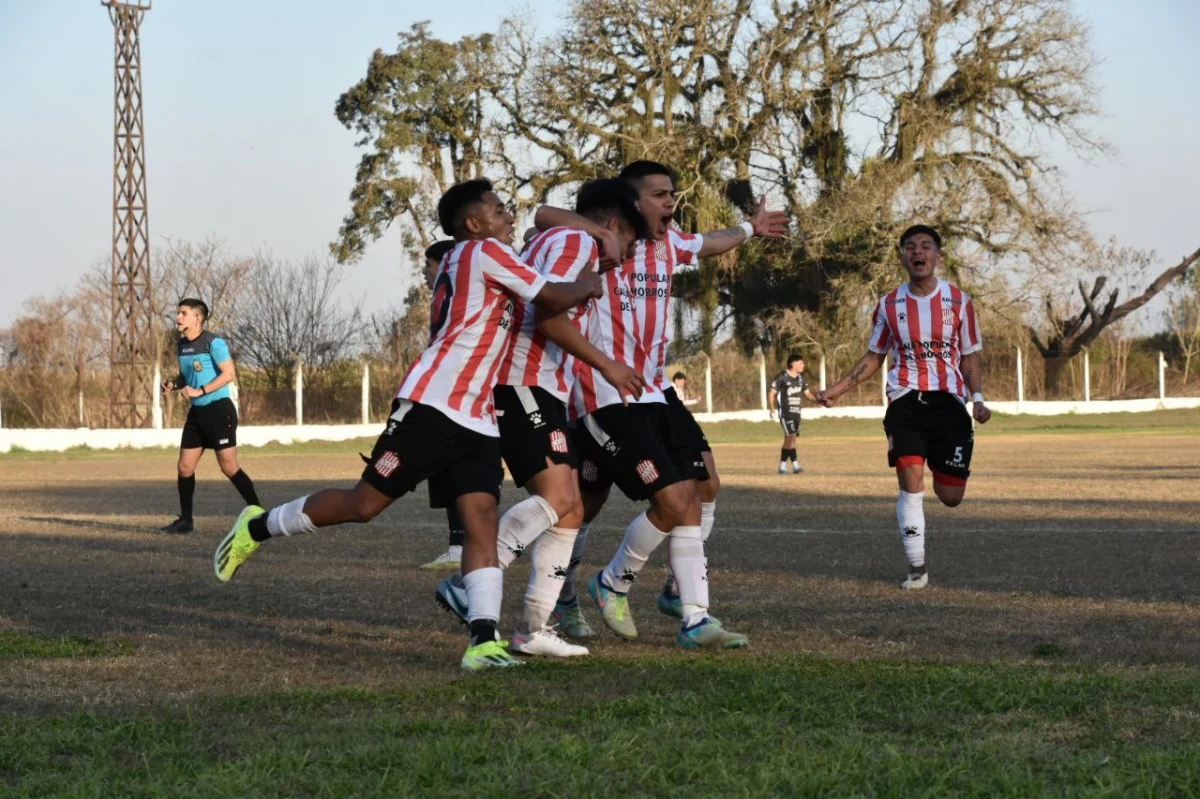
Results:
[471, 332]
[559, 254]
[650, 270]
[613, 328]
[927, 337]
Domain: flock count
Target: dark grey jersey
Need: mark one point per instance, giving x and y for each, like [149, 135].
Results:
[789, 391]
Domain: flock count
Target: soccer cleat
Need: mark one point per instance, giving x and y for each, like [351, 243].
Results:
[916, 579]
[670, 605]
[546, 641]
[710, 634]
[488, 655]
[453, 598]
[796, 468]
[783, 468]
[237, 547]
[571, 621]
[446, 560]
[180, 526]
[613, 607]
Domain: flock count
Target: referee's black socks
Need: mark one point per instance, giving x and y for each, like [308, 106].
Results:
[244, 485]
[187, 490]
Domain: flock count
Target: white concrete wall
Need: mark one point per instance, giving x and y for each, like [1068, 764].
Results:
[60, 440]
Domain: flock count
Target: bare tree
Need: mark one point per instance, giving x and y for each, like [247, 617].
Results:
[1183, 317]
[289, 313]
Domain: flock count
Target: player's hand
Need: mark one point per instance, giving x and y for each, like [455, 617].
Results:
[192, 393]
[981, 412]
[168, 386]
[826, 399]
[627, 382]
[610, 249]
[593, 282]
[769, 224]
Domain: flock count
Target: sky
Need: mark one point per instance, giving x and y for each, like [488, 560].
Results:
[242, 144]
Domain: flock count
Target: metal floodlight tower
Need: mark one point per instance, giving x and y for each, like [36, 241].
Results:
[133, 351]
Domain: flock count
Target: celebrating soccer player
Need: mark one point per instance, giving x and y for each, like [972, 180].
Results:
[931, 330]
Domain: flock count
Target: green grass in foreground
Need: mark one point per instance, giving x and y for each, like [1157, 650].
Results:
[679, 726]
[26, 645]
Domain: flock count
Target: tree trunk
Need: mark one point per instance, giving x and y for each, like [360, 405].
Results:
[1053, 369]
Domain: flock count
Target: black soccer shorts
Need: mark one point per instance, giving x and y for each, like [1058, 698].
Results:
[933, 426]
[212, 426]
[628, 446]
[533, 431]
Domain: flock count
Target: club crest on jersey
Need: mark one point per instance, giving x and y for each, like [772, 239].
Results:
[558, 441]
[387, 463]
[647, 471]
[660, 250]
[588, 471]
[199, 367]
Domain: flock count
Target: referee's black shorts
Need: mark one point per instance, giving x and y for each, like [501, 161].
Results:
[211, 426]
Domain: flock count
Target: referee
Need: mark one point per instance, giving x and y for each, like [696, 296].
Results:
[787, 392]
[205, 372]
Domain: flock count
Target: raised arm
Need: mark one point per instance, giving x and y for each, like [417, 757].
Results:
[547, 216]
[764, 223]
[867, 365]
[559, 329]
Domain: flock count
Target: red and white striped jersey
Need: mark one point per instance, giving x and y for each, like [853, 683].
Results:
[470, 332]
[650, 270]
[927, 337]
[613, 328]
[559, 254]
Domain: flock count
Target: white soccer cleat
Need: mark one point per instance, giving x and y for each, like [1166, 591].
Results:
[443, 562]
[916, 580]
[546, 642]
[783, 469]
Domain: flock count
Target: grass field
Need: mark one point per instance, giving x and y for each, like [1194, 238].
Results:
[1056, 653]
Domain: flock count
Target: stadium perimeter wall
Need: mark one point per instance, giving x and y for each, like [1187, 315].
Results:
[41, 440]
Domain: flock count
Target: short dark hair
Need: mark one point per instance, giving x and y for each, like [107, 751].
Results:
[192, 302]
[926, 229]
[678, 376]
[455, 205]
[608, 197]
[437, 250]
[793, 357]
[635, 172]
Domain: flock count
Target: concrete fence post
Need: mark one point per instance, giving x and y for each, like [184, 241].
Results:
[1162, 376]
[156, 412]
[708, 382]
[1087, 376]
[762, 379]
[366, 393]
[1020, 376]
[299, 392]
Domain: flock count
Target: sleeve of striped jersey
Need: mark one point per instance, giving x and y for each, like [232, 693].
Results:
[567, 256]
[219, 350]
[501, 266]
[687, 247]
[972, 341]
[881, 336]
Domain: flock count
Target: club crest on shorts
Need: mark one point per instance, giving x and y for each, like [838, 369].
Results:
[647, 471]
[588, 471]
[387, 463]
[891, 444]
[558, 441]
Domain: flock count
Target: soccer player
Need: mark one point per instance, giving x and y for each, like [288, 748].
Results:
[784, 397]
[649, 272]
[534, 384]
[931, 330]
[443, 423]
[452, 557]
[205, 371]
[679, 381]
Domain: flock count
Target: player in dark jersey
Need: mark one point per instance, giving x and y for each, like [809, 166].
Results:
[205, 372]
[784, 398]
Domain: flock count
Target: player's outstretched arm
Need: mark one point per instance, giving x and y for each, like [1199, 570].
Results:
[547, 216]
[559, 329]
[972, 372]
[764, 223]
[867, 365]
[555, 297]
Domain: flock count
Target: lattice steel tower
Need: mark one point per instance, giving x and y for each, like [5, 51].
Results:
[133, 349]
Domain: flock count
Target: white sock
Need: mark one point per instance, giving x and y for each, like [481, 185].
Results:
[521, 525]
[686, 551]
[485, 590]
[708, 513]
[567, 595]
[548, 566]
[640, 541]
[455, 550]
[910, 513]
[290, 519]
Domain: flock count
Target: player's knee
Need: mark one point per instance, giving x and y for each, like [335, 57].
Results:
[709, 488]
[185, 471]
[673, 504]
[593, 503]
[950, 496]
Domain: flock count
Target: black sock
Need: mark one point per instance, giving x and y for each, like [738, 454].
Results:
[792, 454]
[258, 528]
[187, 490]
[482, 631]
[783, 453]
[458, 533]
[245, 486]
